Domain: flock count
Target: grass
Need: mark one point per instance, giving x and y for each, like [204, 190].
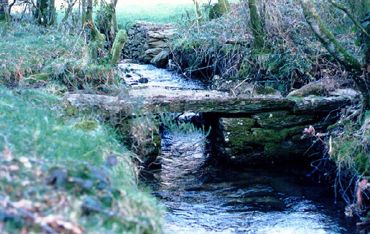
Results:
[34, 55]
[68, 173]
[26, 49]
[351, 148]
[58, 172]
[157, 12]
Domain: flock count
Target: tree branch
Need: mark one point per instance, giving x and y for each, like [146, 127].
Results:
[350, 15]
[327, 38]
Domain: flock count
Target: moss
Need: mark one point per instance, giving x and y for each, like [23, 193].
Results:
[271, 148]
[265, 90]
[87, 125]
[238, 139]
[144, 137]
[350, 150]
[219, 9]
[367, 114]
[70, 110]
[257, 27]
[362, 163]
[117, 47]
[282, 119]
[238, 124]
[260, 135]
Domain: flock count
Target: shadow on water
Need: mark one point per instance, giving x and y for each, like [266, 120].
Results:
[201, 198]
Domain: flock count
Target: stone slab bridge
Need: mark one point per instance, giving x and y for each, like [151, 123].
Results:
[244, 129]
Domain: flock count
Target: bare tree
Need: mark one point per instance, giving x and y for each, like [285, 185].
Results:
[45, 12]
[359, 70]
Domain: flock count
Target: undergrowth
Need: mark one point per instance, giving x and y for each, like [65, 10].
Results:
[65, 175]
[292, 57]
[31, 55]
[351, 148]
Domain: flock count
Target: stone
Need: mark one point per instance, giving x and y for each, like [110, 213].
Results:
[91, 205]
[319, 88]
[153, 52]
[57, 177]
[282, 119]
[142, 135]
[158, 44]
[146, 40]
[161, 59]
[286, 150]
[244, 143]
[143, 80]
[315, 104]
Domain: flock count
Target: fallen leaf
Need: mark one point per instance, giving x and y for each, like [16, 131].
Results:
[7, 154]
[60, 225]
[26, 162]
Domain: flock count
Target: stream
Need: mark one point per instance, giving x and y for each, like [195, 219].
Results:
[202, 198]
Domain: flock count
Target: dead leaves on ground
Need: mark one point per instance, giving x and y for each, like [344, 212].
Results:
[37, 196]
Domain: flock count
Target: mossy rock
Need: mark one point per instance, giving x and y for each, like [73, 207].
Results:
[238, 140]
[71, 110]
[142, 134]
[285, 150]
[282, 119]
[238, 124]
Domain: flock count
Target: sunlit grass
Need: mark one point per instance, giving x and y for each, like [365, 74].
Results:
[157, 12]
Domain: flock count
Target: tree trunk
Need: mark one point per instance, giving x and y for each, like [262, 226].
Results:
[256, 26]
[359, 8]
[51, 12]
[117, 47]
[3, 10]
[83, 12]
[332, 45]
[96, 39]
[69, 9]
[106, 21]
[367, 64]
[45, 13]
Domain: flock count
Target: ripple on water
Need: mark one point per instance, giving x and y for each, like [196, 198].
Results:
[156, 77]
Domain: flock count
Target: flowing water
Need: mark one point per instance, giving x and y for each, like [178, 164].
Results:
[202, 198]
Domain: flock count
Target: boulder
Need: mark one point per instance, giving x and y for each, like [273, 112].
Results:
[161, 59]
[318, 88]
